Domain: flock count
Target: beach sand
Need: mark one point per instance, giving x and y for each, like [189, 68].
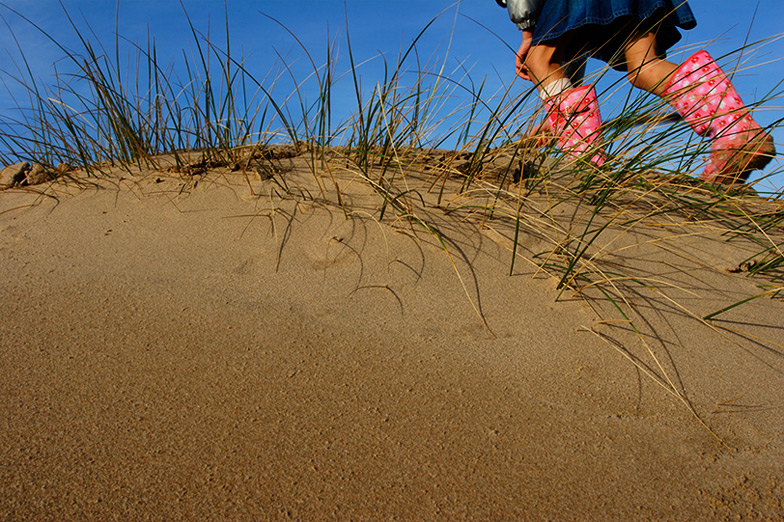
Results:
[225, 347]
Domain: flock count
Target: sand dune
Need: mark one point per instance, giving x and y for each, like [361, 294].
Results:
[220, 346]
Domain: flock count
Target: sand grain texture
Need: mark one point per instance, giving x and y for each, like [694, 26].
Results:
[181, 351]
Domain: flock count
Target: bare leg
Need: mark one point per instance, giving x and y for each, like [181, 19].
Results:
[644, 68]
[544, 63]
[572, 113]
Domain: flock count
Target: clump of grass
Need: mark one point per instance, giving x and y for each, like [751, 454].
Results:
[95, 113]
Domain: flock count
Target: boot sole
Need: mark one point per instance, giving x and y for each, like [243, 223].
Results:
[755, 155]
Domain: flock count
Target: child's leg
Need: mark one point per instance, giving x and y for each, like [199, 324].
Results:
[572, 112]
[645, 69]
[703, 95]
[544, 63]
[551, 66]
[557, 72]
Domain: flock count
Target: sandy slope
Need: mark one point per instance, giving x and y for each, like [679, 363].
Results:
[172, 351]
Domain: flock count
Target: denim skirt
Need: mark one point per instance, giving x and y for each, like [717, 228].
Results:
[602, 27]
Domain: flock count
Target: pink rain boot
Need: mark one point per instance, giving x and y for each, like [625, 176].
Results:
[706, 99]
[574, 118]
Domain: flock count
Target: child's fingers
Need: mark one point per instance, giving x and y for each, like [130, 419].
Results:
[522, 70]
[542, 135]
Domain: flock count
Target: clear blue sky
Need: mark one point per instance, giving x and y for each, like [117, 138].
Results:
[377, 27]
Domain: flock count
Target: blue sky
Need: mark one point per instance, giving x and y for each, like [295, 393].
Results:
[379, 27]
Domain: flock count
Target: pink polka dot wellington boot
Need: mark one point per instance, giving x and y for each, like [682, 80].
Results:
[575, 120]
[705, 98]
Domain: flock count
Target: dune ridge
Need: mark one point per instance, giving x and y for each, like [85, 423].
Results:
[271, 340]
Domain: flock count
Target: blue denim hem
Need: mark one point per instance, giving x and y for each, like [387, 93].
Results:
[556, 20]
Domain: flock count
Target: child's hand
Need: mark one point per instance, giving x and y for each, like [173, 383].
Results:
[540, 136]
[522, 54]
